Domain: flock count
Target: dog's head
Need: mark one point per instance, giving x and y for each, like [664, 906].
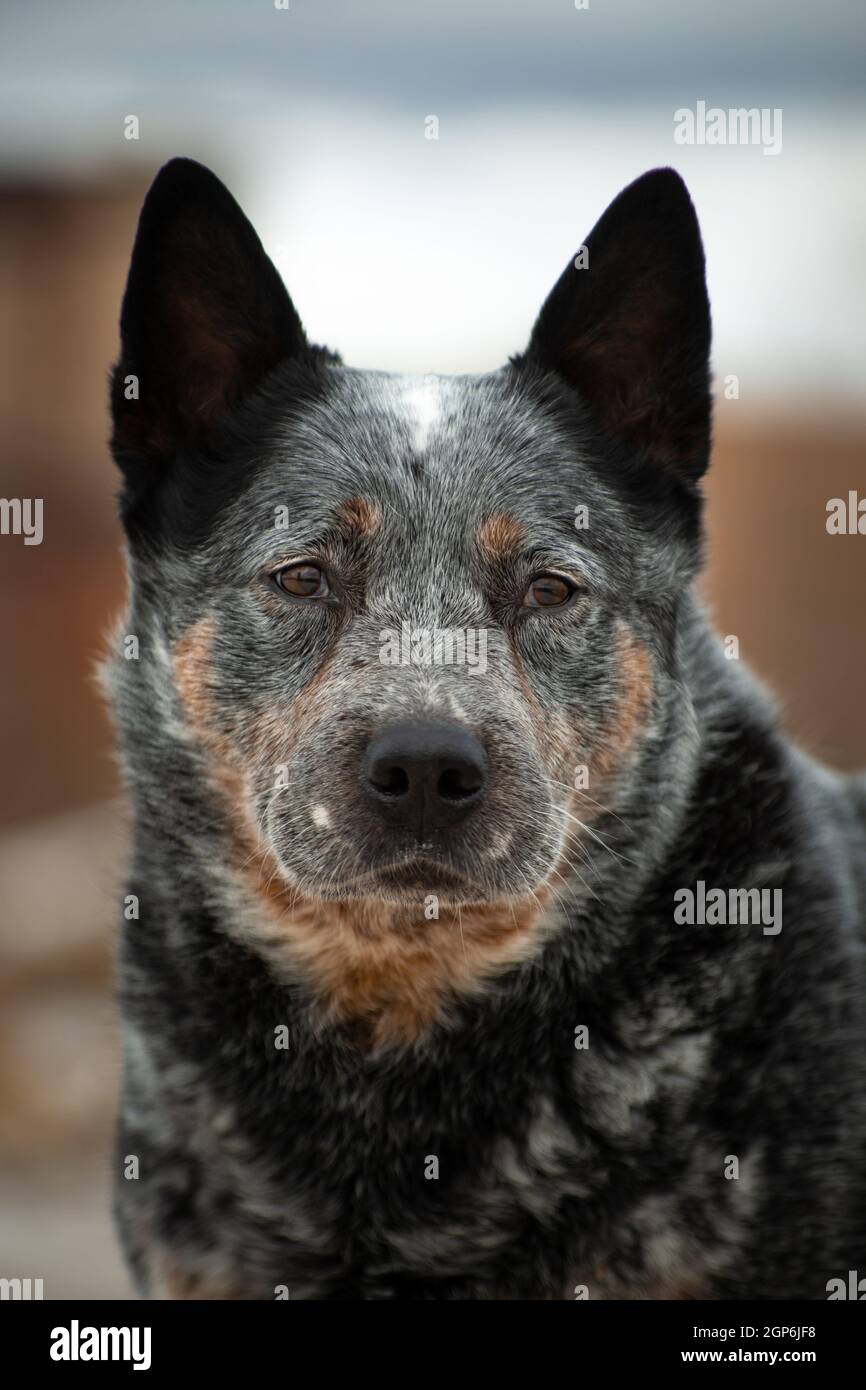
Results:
[418, 629]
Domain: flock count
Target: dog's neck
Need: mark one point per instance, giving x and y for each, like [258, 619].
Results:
[390, 969]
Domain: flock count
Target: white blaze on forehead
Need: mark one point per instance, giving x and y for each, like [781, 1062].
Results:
[423, 402]
[321, 817]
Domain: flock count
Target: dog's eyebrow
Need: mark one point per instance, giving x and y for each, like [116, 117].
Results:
[499, 536]
[502, 537]
[355, 519]
[358, 516]
[589, 563]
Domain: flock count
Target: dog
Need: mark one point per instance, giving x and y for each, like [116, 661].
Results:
[533, 977]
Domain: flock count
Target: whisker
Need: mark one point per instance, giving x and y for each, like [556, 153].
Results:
[595, 835]
[586, 796]
[575, 870]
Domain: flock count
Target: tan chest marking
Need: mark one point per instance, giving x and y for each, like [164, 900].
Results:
[385, 966]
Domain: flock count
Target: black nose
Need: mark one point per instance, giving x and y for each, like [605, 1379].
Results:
[424, 775]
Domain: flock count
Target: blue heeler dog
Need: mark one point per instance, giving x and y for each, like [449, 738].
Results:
[411, 1006]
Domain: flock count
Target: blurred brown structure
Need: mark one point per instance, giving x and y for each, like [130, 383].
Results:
[791, 592]
[63, 255]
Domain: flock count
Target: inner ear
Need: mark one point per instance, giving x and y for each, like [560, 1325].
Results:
[628, 324]
[205, 316]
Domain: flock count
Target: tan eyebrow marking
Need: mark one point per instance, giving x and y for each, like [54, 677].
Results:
[499, 536]
[359, 516]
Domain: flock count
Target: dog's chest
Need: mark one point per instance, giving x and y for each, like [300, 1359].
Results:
[420, 1186]
[501, 1166]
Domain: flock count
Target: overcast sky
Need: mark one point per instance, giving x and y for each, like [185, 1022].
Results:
[467, 51]
[414, 254]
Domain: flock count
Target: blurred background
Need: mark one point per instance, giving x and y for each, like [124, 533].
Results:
[404, 252]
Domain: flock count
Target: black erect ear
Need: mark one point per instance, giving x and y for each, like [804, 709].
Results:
[205, 316]
[628, 324]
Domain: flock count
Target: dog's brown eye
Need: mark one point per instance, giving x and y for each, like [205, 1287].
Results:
[303, 581]
[547, 591]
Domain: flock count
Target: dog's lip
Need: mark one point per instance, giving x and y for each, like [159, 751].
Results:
[421, 874]
[417, 866]
[418, 872]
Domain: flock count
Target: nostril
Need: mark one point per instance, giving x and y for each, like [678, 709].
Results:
[425, 773]
[459, 783]
[390, 780]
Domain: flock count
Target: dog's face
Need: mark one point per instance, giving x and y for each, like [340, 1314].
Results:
[418, 628]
